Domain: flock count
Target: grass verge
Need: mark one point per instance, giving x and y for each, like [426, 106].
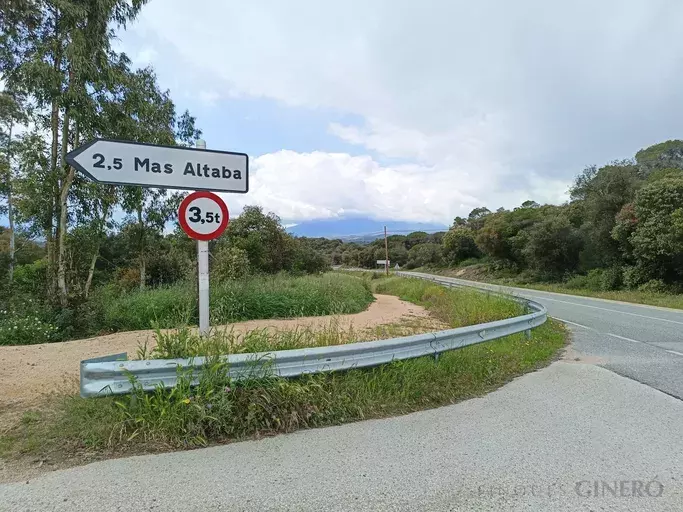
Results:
[220, 409]
[666, 300]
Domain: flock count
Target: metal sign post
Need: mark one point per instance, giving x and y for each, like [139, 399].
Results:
[203, 267]
[203, 273]
[203, 216]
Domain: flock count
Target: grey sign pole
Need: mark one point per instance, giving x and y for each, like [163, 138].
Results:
[203, 268]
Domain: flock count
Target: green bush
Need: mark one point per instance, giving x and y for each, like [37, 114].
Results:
[23, 319]
[31, 279]
[230, 263]
[636, 275]
[594, 281]
[469, 262]
[612, 278]
[655, 286]
[25, 330]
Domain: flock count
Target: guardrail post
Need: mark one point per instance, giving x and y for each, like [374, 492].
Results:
[527, 334]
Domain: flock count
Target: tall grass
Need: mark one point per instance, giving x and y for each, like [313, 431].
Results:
[280, 296]
[165, 307]
[283, 296]
[187, 343]
[457, 307]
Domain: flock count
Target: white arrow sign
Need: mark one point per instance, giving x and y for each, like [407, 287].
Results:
[146, 165]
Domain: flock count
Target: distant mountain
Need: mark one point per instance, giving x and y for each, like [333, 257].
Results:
[359, 228]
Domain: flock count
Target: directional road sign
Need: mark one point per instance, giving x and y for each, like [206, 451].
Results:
[122, 162]
[203, 215]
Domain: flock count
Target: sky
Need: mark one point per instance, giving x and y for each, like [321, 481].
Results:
[417, 111]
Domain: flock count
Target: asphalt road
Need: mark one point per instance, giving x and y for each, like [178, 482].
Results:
[644, 343]
[545, 442]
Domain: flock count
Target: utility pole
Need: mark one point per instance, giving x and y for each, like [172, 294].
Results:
[386, 252]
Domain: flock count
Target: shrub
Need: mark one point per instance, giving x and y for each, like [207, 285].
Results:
[636, 275]
[552, 246]
[31, 279]
[458, 245]
[655, 286]
[424, 254]
[612, 278]
[230, 263]
[469, 262]
[128, 279]
[592, 281]
[25, 330]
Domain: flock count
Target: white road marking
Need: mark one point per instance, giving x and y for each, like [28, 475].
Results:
[623, 337]
[611, 310]
[674, 352]
[574, 323]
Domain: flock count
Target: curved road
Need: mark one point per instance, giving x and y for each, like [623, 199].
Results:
[575, 436]
[644, 343]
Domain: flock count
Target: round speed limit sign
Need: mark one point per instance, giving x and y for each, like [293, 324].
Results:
[203, 215]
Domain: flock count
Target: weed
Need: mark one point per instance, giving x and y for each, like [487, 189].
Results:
[455, 306]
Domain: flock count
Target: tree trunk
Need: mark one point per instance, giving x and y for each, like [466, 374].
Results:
[10, 209]
[51, 237]
[63, 215]
[100, 235]
[10, 214]
[141, 225]
[91, 271]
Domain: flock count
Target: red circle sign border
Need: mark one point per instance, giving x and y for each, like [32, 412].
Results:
[191, 232]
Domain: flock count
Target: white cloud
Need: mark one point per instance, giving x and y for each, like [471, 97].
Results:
[209, 98]
[144, 56]
[492, 102]
[304, 186]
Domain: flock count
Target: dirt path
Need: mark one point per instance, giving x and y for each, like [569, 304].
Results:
[27, 372]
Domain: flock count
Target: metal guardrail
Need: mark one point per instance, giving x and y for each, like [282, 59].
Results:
[111, 375]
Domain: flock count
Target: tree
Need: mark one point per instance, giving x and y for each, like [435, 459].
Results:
[552, 246]
[475, 220]
[666, 155]
[602, 193]
[59, 54]
[230, 263]
[269, 248]
[530, 204]
[458, 245]
[12, 112]
[413, 239]
[96, 205]
[424, 254]
[657, 229]
[503, 234]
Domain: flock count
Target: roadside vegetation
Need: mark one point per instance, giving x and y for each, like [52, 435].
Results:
[220, 409]
[620, 236]
[257, 271]
[591, 285]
